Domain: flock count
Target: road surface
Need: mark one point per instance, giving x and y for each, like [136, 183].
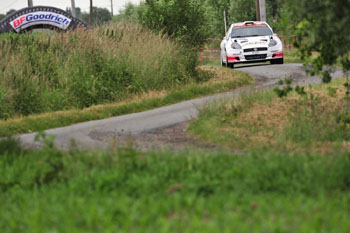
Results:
[101, 134]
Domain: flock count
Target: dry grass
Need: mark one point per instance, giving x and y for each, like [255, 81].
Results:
[297, 124]
[221, 75]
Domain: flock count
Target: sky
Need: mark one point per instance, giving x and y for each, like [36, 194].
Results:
[6, 5]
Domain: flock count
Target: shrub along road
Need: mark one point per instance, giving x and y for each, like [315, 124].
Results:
[103, 133]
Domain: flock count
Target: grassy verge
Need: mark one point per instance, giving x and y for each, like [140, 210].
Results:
[317, 121]
[128, 191]
[292, 56]
[223, 80]
[42, 73]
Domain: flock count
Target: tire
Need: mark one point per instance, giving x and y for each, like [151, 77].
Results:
[223, 64]
[5, 26]
[229, 65]
[277, 61]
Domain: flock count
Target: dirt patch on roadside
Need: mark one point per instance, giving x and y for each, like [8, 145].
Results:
[175, 138]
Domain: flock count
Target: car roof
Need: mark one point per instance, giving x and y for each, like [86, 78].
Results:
[249, 24]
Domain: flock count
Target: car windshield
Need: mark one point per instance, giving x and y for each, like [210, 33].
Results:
[251, 31]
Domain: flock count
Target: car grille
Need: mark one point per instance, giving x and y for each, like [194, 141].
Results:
[253, 49]
[255, 57]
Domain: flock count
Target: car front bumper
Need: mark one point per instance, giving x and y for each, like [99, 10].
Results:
[251, 57]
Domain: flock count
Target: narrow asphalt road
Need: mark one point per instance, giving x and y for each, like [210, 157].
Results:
[86, 135]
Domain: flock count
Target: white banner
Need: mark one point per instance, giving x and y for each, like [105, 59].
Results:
[40, 17]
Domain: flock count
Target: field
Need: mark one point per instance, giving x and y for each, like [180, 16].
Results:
[128, 191]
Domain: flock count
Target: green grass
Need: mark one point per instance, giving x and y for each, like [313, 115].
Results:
[227, 81]
[292, 56]
[42, 73]
[128, 191]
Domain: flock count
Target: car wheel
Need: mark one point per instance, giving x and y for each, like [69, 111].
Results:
[229, 65]
[277, 61]
[280, 61]
[223, 64]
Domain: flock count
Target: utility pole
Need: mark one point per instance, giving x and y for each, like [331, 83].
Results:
[74, 13]
[262, 7]
[90, 21]
[30, 3]
[225, 22]
[257, 5]
[112, 7]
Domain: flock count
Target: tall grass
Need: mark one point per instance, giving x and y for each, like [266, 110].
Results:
[129, 191]
[318, 118]
[41, 72]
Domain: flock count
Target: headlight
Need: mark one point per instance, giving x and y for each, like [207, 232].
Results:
[235, 45]
[272, 43]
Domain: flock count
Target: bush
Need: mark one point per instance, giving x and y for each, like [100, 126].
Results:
[41, 73]
[182, 20]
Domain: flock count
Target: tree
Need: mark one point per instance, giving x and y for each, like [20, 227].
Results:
[323, 27]
[182, 20]
[215, 12]
[130, 13]
[7, 13]
[77, 11]
[237, 11]
[100, 16]
[10, 11]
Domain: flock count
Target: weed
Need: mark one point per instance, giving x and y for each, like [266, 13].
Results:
[332, 91]
[285, 90]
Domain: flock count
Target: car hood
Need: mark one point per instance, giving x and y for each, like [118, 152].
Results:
[252, 42]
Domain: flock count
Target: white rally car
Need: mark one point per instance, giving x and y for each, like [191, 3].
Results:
[249, 42]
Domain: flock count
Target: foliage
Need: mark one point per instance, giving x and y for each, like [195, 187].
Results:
[100, 16]
[125, 191]
[138, 103]
[182, 20]
[130, 13]
[7, 13]
[77, 11]
[285, 90]
[40, 73]
[325, 25]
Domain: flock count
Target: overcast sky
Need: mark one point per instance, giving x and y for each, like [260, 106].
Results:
[6, 5]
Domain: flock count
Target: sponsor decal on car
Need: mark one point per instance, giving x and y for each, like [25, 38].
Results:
[256, 42]
[40, 17]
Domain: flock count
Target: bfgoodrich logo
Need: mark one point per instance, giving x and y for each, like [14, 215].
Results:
[36, 18]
